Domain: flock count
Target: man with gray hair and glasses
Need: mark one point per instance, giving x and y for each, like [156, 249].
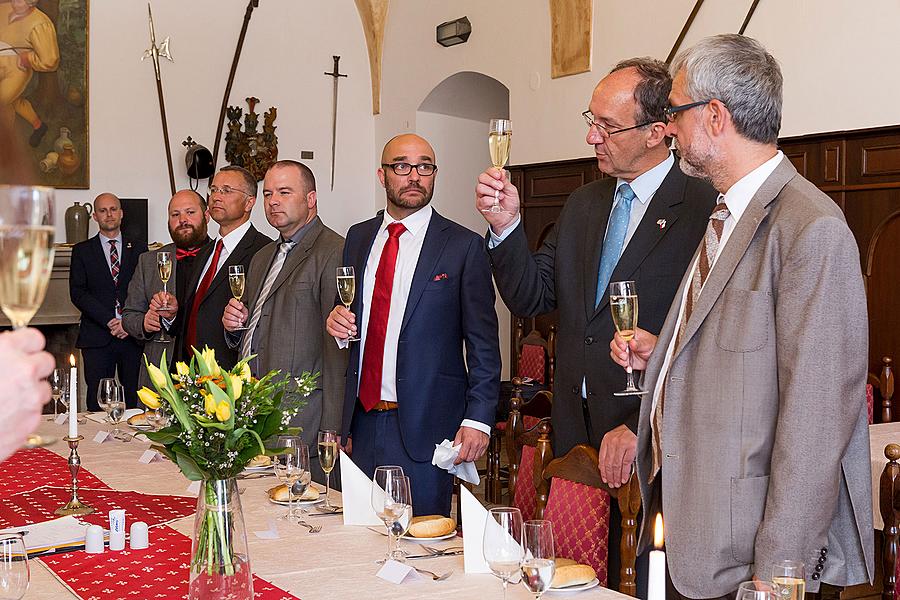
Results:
[754, 440]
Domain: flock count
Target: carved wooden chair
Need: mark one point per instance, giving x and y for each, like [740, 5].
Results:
[889, 506]
[535, 356]
[572, 496]
[529, 452]
[883, 383]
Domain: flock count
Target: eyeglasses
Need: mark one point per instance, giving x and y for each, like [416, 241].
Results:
[402, 168]
[672, 111]
[226, 190]
[589, 119]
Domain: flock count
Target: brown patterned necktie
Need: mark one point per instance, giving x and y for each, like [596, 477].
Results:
[707, 257]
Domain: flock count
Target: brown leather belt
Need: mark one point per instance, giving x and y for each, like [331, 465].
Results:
[383, 406]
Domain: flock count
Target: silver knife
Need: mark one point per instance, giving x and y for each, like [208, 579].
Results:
[435, 555]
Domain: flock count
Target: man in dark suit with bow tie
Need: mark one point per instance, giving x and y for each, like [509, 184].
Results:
[98, 284]
[424, 293]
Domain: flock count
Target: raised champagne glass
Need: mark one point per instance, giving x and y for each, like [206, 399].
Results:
[789, 578]
[539, 563]
[623, 305]
[328, 449]
[346, 285]
[164, 268]
[26, 250]
[237, 280]
[499, 139]
[502, 543]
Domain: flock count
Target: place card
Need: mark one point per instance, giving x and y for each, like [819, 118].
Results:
[194, 488]
[396, 572]
[103, 436]
[150, 456]
[474, 517]
[61, 418]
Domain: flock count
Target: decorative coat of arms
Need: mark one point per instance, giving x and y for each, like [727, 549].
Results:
[249, 148]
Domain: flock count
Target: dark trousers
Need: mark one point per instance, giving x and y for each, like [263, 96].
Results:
[123, 356]
[377, 441]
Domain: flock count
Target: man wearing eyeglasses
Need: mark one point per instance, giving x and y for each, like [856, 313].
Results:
[424, 295]
[231, 198]
[642, 223]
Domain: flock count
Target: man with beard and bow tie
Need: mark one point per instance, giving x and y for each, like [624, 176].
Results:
[148, 310]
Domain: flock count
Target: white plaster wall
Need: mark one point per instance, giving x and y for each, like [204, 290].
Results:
[288, 47]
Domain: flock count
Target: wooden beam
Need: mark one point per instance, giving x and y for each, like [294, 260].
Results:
[684, 30]
[748, 17]
[373, 14]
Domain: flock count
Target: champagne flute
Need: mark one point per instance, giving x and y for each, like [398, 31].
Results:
[164, 267]
[502, 545]
[116, 409]
[346, 285]
[287, 466]
[391, 502]
[789, 578]
[59, 383]
[328, 449]
[26, 250]
[499, 140]
[539, 563]
[623, 305]
[237, 281]
[14, 570]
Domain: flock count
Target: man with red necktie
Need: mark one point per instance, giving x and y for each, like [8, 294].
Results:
[424, 295]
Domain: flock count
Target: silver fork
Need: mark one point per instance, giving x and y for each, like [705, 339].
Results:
[437, 551]
[312, 528]
[434, 576]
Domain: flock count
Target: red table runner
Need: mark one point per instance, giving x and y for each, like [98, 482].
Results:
[28, 469]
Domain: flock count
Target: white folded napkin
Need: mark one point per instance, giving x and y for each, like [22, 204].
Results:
[445, 454]
[474, 517]
[356, 494]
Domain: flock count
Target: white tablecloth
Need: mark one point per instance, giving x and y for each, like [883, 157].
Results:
[336, 564]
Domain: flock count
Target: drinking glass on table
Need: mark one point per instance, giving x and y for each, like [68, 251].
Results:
[392, 502]
[59, 383]
[106, 393]
[14, 571]
[623, 305]
[346, 285]
[789, 577]
[116, 409]
[757, 590]
[164, 268]
[156, 418]
[502, 543]
[26, 250]
[539, 563]
[499, 140]
[328, 449]
[291, 462]
[237, 281]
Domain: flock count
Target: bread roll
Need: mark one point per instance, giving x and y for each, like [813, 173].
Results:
[571, 574]
[139, 420]
[431, 526]
[280, 494]
[260, 461]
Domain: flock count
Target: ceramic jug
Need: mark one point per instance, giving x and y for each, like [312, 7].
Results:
[77, 219]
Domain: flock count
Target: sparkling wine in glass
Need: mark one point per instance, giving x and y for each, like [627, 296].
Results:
[499, 140]
[59, 383]
[757, 590]
[502, 543]
[789, 577]
[392, 502]
[539, 563]
[237, 280]
[328, 449]
[164, 268]
[346, 285]
[26, 250]
[623, 305]
[14, 570]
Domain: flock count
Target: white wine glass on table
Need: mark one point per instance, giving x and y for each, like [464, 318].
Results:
[106, 393]
[502, 543]
[59, 383]
[346, 285]
[623, 305]
[539, 563]
[789, 577]
[237, 280]
[116, 409]
[328, 449]
[288, 466]
[14, 570]
[164, 268]
[499, 140]
[392, 502]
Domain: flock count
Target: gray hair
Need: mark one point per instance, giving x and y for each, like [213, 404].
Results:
[247, 176]
[737, 71]
[651, 94]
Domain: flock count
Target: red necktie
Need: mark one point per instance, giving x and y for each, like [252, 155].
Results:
[191, 339]
[376, 330]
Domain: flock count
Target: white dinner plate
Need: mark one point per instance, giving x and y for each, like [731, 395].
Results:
[257, 469]
[299, 502]
[576, 588]
[439, 538]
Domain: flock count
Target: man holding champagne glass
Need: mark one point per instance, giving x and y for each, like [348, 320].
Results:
[289, 291]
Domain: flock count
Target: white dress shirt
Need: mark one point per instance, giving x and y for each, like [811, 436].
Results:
[229, 243]
[411, 242]
[737, 198]
[104, 241]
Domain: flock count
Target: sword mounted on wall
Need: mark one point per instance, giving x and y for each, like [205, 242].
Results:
[154, 52]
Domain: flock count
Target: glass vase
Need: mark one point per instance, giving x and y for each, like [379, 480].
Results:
[220, 562]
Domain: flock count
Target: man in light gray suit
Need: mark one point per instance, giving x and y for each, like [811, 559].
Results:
[753, 439]
[147, 309]
[291, 287]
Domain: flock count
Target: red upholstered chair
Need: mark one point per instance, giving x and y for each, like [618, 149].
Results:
[535, 355]
[527, 467]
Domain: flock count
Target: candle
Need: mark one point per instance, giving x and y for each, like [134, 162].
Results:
[73, 398]
[656, 585]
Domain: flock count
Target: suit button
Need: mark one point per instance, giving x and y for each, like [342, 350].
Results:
[823, 551]
[589, 340]
[819, 567]
[815, 576]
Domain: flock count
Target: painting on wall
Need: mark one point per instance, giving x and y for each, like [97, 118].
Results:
[43, 85]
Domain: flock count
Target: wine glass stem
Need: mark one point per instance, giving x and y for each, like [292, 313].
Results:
[629, 372]
[327, 489]
[390, 543]
[505, 584]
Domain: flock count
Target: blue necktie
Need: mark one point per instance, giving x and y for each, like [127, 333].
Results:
[615, 240]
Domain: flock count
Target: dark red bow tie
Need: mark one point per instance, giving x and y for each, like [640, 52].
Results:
[184, 253]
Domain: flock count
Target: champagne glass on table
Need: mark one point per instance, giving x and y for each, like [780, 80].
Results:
[59, 383]
[623, 305]
[539, 563]
[502, 543]
[328, 449]
[346, 284]
[14, 571]
[164, 267]
[499, 140]
[392, 502]
[237, 281]
[26, 250]
[789, 577]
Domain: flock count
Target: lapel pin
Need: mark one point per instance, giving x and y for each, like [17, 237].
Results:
[661, 223]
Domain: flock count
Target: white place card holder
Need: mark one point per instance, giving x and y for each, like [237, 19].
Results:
[474, 518]
[61, 418]
[103, 436]
[356, 493]
[150, 456]
[396, 572]
[194, 488]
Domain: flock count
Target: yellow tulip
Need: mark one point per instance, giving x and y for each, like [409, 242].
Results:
[209, 357]
[156, 376]
[209, 403]
[236, 386]
[150, 398]
[223, 411]
[182, 369]
[245, 373]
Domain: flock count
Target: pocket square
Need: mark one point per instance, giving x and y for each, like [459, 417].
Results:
[440, 277]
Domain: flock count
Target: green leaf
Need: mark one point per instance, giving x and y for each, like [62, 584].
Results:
[189, 467]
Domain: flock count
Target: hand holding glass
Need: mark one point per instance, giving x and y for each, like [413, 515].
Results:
[623, 306]
[237, 281]
[164, 268]
[346, 285]
[499, 140]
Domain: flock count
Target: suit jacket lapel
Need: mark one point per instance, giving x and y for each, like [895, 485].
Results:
[592, 245]
[432, 247]
[298, 255]
[100, 257]
[256, 277]
[736, 246]
[359, 262]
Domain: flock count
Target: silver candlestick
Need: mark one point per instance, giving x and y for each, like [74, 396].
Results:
[74, 506]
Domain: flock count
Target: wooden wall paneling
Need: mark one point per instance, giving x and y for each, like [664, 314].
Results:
[882, 269]
[873, 160]
[833, 162]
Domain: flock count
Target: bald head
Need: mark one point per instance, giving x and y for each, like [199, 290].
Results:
[108, 214]
[407, 147]
[410, 192]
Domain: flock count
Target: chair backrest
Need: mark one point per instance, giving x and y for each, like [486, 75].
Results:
[522, 427]
[884, 383]
[535, 355]
[579, 466]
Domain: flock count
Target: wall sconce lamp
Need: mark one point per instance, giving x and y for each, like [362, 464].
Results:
[454, 32]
